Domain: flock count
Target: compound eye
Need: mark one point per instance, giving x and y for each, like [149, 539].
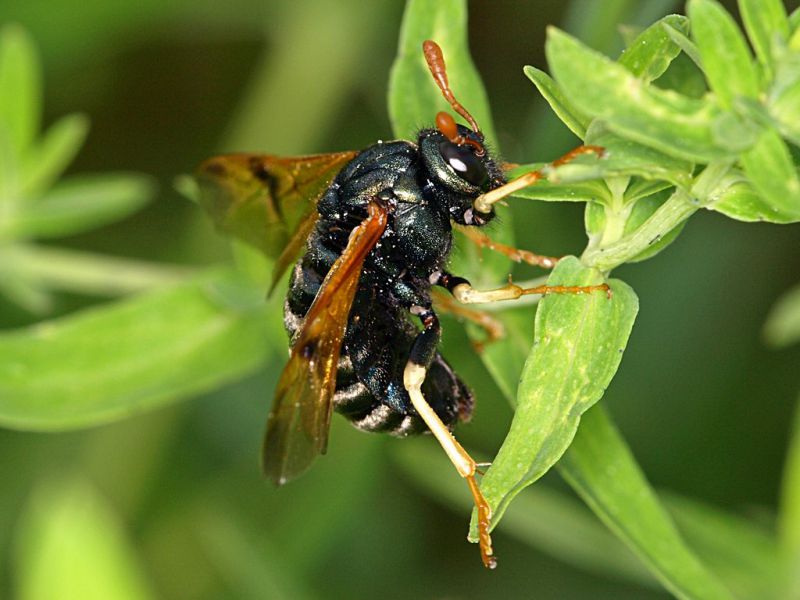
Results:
[464, 162]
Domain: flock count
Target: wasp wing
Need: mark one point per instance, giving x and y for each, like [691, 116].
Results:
[268, 201]
[297, 428]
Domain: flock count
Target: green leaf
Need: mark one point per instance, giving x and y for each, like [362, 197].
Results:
[80, 204]
[742, 554]
[414, 98]
[784, 107]
[628, 158]
[601, 469]
[783, 324]
[684, 43]
[723, 51]
[45, 161]
[662, 119]
[124, 358]
[764, 21]
[794, 20]
[20, 88]
[789, 520]
[737, 198]
[769, 167]
[575, 191]
[653, 50]
[574, 119]
[71, 546]
[578, 344]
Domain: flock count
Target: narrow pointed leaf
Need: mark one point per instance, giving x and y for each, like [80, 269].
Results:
[81, 204]
[574, 119]
[45, 161]
[662, 119]
[769, 166]
[726, 58]
[578, 344]
[653, 50]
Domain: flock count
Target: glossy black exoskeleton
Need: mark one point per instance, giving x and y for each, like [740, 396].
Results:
[427, 185]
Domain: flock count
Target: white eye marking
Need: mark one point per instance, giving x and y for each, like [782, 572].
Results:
[468, 215]
[458, 164]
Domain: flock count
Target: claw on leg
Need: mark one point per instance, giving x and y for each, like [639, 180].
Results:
[413, 376]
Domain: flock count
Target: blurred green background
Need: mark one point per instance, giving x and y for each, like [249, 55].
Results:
[171, 504]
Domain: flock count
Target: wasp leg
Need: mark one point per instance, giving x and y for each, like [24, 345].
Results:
[481, 240]
[483, 203]
[493, 327]
[422, 353]
[466, 294]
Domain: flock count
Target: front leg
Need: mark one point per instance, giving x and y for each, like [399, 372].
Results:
[422, 353]
[463, 291]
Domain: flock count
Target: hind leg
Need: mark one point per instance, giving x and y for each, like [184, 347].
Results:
[422, 354]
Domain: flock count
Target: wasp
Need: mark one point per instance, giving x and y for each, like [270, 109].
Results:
[369, 234]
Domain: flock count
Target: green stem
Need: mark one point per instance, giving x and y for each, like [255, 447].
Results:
[679, 207]
[87, 273]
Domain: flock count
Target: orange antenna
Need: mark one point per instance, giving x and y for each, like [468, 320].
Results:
[435, 60]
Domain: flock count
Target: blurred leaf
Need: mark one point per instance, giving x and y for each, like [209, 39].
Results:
[764, 20]
[127, 357]
[20, 88]
[414, 98]
[789, 518]
[794, 19]
[601, 469]
[783, 324]
[71, 546]
[253, 568]
[649, 55]
[743, 555]
[726, 58]
[569, 115]
[769, 167]
[87, 273]
[46, 160]
[785, 109]
[669, 122]
[80, 204]
[578, 344]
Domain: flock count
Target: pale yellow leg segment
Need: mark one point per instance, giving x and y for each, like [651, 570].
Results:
[466, 294]
[413, 376]
[483, 203]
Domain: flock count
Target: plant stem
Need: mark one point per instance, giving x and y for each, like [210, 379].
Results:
[87, 273]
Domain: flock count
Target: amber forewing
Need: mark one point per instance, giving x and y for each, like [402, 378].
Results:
[297, 428]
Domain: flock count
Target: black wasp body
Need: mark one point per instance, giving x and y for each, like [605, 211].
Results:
[425, 186]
